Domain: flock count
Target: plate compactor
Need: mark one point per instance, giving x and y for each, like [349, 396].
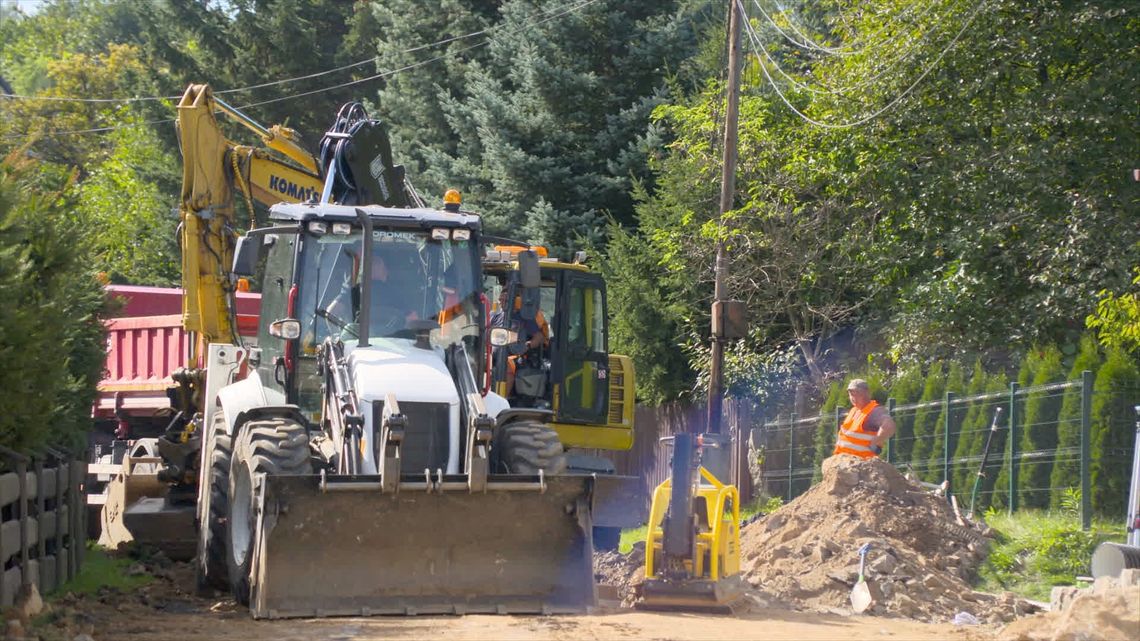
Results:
[692, 547]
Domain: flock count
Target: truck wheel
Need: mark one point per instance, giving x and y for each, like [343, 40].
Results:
[525, 447]
[270, 447]
[211, 566]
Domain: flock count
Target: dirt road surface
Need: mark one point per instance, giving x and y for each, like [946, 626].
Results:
[167, 609]
[620, 625]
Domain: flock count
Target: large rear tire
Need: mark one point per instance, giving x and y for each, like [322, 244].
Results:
[212, 515]
[525, 447]
[272, 447]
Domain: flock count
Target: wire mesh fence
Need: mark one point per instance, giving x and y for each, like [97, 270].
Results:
[1044, 446]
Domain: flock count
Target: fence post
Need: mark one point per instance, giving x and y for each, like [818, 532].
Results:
[890, 441]
[60, 550]
[77, 506]
[41, 542]
[946, 402]
[1086, 449]
[1014, 419]
[791, 453]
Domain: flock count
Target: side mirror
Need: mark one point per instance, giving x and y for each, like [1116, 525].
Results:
[286, 328]
[246, 255]
[529, 275]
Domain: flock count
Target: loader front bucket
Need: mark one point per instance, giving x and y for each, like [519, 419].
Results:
[326, 552]
[135, 508]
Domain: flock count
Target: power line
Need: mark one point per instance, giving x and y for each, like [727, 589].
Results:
[488, 31]
[846, 49]
[878, 70]
[383, 74]
[755, 39]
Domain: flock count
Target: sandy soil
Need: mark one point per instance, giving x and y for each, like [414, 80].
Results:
[167, 609]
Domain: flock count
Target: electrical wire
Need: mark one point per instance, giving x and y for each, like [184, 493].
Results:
[754, 38]
[488, 31]
[877, 71]
[384, 74]
[847, 48]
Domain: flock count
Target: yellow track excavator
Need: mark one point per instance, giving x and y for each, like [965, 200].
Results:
[587, 391]
[354, 460]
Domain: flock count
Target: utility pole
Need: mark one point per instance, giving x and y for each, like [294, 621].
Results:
[727, 187]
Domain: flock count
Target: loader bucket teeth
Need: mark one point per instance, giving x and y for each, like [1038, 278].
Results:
[354, 553]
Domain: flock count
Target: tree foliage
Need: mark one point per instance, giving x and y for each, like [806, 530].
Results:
[51, 339]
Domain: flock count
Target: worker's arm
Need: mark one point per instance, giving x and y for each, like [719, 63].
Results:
[540, 337]
[886, 431]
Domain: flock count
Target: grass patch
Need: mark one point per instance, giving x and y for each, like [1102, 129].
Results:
[1036, 550]
[100, 570]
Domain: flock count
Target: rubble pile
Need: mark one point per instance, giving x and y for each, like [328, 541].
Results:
[1109, 610]
[921, 556]
[619, 575]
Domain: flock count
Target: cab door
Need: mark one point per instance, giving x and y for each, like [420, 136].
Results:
[581, 372]
[277, 283]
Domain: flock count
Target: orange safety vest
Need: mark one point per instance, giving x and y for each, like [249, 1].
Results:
[853, 438]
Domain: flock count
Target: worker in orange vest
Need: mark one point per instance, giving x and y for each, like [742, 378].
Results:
[867, 426]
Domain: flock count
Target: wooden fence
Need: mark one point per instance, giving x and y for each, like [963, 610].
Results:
[42, 522]
[649, 458]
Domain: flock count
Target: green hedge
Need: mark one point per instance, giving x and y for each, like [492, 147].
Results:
[51, 339]
[1048, 420]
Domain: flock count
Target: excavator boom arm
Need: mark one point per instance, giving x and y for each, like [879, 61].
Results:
[211, 166]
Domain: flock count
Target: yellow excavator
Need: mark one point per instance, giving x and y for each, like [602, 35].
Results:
[354, 461]
[588, 391]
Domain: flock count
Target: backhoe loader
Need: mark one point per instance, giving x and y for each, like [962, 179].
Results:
[354, 461]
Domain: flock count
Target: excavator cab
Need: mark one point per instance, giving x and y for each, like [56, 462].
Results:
[589, 390]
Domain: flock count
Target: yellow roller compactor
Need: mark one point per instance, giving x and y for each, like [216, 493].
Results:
[355, 461]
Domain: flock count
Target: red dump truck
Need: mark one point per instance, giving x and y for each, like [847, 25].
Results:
[145, 345]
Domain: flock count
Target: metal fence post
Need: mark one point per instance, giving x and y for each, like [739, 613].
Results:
[947, 401]
[791, 454]
[891, 441]
[1086, 449]
[1014, 419]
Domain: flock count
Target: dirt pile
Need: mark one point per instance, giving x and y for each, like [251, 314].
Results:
[1111, 613]
[920, 558]
[619, 575]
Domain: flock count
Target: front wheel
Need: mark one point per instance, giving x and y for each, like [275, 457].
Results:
[271, 447]
[212, 514]
[526, 446]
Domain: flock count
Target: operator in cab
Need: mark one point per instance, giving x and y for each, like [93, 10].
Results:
[535, 333]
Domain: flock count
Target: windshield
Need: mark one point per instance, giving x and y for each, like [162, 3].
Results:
[417, 281]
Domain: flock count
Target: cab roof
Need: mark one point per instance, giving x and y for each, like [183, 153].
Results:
[402, 217]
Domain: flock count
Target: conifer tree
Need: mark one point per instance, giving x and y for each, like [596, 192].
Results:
[1039, 438]
[1113, 432]
[547, 131]
[1067, 469]
[825, 432]
[955, 383]
[907, 389]
[1025, 374]
[926, 418]
[973, 425]
[996, 384]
